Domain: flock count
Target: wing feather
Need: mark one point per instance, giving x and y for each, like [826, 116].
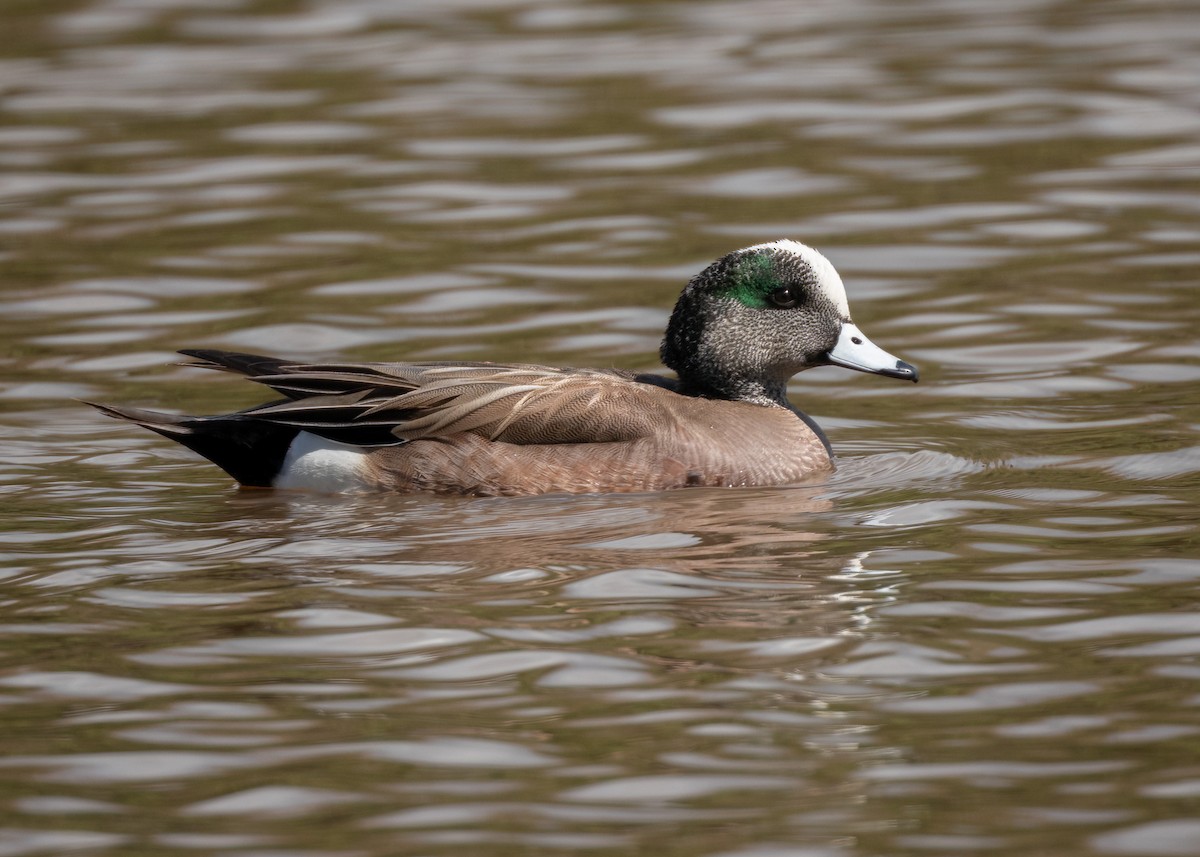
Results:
[387, 403]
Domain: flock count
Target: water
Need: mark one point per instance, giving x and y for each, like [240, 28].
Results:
[980, 636]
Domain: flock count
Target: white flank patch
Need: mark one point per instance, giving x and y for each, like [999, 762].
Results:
[829, 280]
[313, 463]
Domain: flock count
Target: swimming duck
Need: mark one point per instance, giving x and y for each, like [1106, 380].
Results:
[740, 330]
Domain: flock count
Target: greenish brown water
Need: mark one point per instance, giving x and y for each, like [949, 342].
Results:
[981, 636]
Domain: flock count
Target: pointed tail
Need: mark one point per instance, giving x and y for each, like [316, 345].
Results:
[249, 450]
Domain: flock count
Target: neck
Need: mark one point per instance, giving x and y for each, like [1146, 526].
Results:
[754, 391]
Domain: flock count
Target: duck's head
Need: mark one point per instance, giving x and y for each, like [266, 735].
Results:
[751, 320]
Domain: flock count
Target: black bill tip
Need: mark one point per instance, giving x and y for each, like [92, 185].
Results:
[903, 371]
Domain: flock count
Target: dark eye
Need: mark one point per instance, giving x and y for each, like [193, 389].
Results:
[784, 298]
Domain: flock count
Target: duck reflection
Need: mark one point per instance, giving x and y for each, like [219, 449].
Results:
[749, 557]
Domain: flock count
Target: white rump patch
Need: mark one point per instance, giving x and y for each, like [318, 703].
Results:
[314, 463]
[829, 280]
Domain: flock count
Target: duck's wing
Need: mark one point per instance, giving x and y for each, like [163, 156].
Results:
[385, 403]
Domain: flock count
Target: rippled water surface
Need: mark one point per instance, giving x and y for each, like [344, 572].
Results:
[980, 636]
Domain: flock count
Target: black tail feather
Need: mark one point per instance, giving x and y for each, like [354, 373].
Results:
[251, 451]
[250, 365]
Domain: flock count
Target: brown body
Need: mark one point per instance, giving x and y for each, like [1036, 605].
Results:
[703, 443]
[510, 429]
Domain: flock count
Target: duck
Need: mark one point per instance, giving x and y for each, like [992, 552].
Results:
[740, 330]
